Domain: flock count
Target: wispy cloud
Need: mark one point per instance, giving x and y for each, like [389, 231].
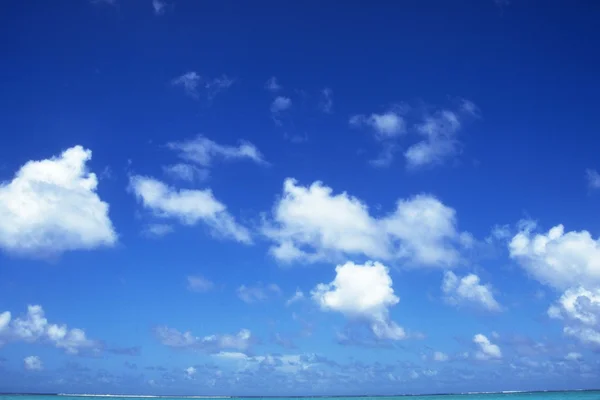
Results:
[326, 102]
[159, 7]
[193, 84]
[189, 207]
[203, 151]
[186, 172]
[257, 293]
[593, 178]
[273, 85]
[198, 283]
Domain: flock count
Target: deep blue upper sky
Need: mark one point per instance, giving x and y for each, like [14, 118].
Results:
[266, 197]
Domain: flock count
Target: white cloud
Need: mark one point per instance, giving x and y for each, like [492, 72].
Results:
[579, 308]
[159, 7]
[313, 224]
[190, 372]
[51, 206]
[326, 103]
[191, 82]
[280, 103]
[186, 172]
[284, 363]
[34, 327]
[211, 344]
[573, 356]
[439, 131]
[386, 125]
[197, 283]
[487, 350]
[188, 207]
[593, 178]
[33, 363]
[439, 356]
[258, 292]
[297, 296]
[558, 259]
[272, 85]
[362, 292]
[204, 151]
[467, 289]
[157, 230]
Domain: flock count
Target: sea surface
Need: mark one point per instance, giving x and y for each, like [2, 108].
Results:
[573, 395]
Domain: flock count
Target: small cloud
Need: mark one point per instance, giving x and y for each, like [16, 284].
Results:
[189, 82]
[593, 178]
[190, 372]
[298, 296]
[157, 230]
[468, 290]
[192, 83]
[280, 103]
[257, 293]
[439, 356]
[487, 350]
[197, 283]
[33, 363]
[159, 7]
[326, 103]
[573, 356]
[385, 125]
[272, 85]
[203, 151]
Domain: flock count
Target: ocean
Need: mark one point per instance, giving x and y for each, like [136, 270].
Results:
[571, 395]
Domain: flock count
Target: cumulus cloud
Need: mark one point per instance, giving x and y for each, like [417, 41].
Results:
[211, 344]
[487, 350]
[386, 125]
[313, 224]
[35, 328]
[272, 85]
[197, 283]
[438, 131]
[440, 136]
[189, 207]
[558, 259]
[258, 292]
[186, 172]
[51, 206]
[593, 178]
[468, 290]
[364, 293]
[579, 308]
[326, 102]
[203, 151]
[280, 103]
[33, 363]
[192, 83]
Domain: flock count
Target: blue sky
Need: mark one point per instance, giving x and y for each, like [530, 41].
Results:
[274, 198]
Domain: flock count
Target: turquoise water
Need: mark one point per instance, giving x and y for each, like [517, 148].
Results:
[577, 395]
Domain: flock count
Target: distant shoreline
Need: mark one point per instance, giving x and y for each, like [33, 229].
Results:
[140, 396]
